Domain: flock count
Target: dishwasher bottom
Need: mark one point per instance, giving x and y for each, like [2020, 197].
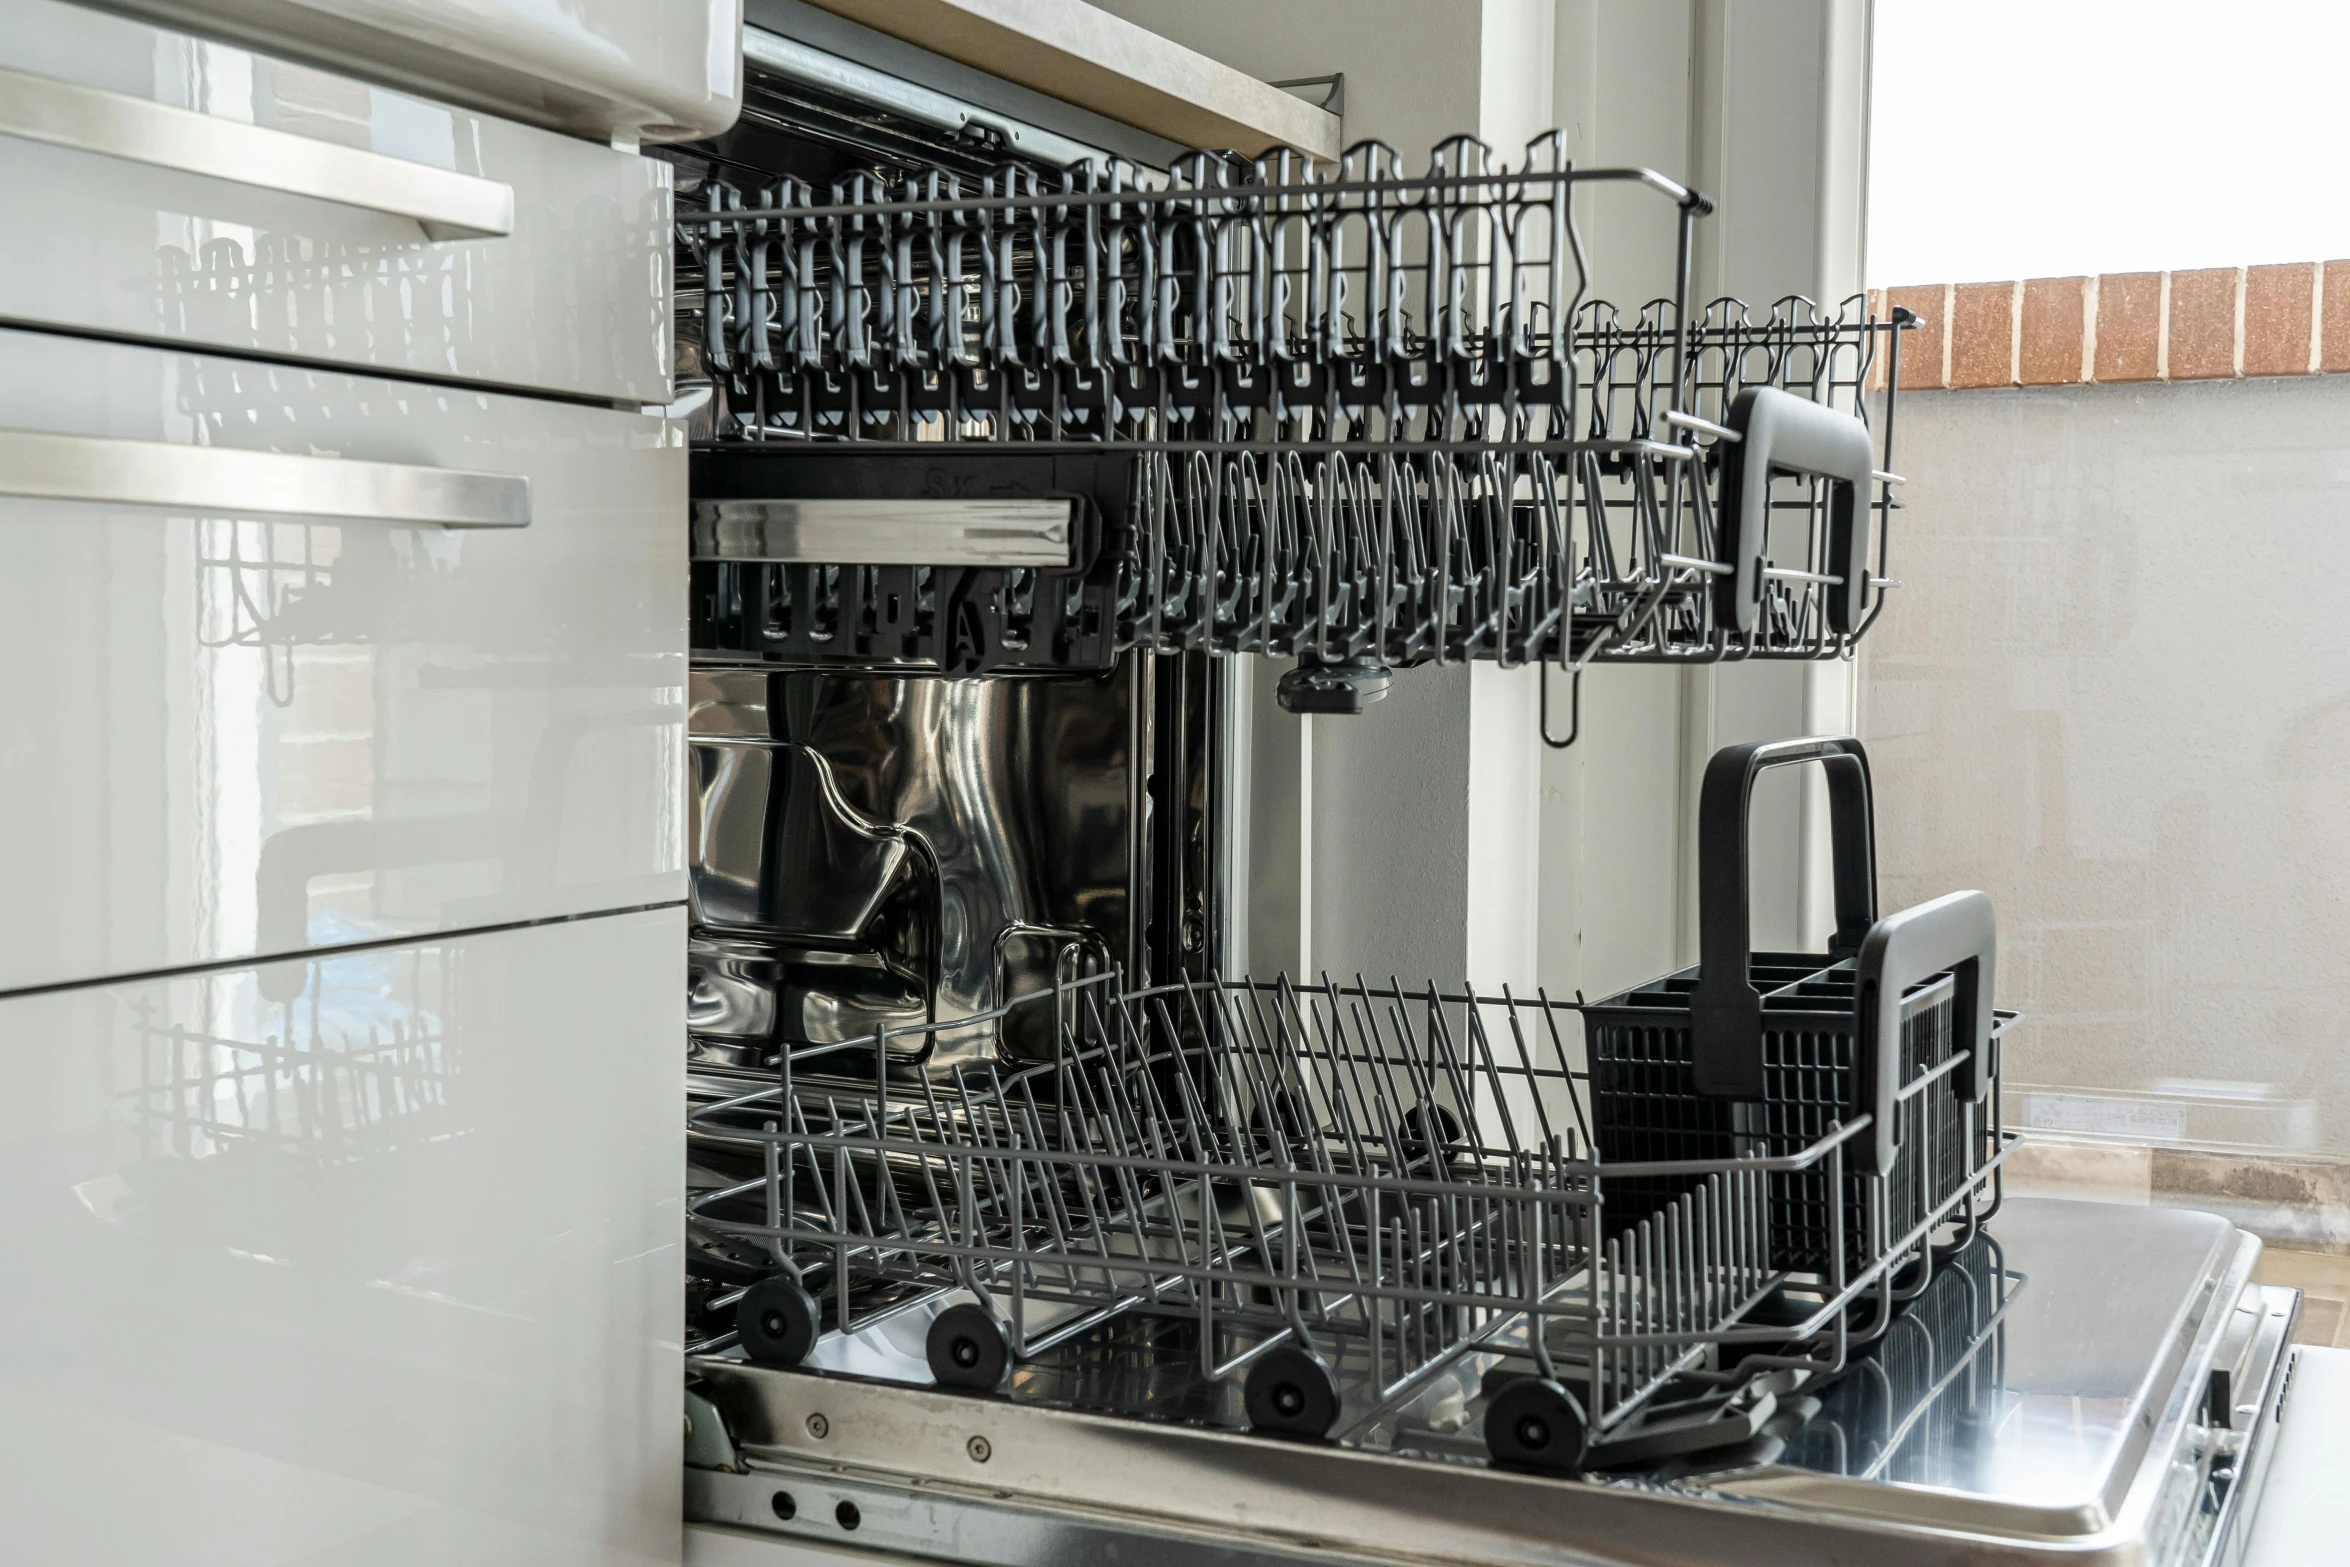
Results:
[2113, 1403]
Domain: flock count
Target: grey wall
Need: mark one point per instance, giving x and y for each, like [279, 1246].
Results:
[2115, 694]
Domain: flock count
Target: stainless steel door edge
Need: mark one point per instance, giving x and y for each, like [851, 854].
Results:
[2143, 1509]
[1153, 1478]
[2080, 1435]
[447, 204]
[824, 1504]
[40, 465]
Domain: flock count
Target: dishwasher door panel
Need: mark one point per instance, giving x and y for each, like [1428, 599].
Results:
[386, 1272]
[230, 732]
[304, 236]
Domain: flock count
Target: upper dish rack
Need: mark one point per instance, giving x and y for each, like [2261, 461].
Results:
[1332, 412]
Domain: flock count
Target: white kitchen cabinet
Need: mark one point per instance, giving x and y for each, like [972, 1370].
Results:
[662, 70]
[170, 188]
[387, 1271]
[231, 732]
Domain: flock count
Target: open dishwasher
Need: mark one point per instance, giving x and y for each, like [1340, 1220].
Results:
[1023, 1229]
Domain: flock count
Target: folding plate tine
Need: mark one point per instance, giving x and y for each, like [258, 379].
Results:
[1053, 1199]
[1195, 1116]
[1213, 1253]
[1124, 1141]
[938, 1203]
[1288, 1060]
[1291, 1061]
[1129, 1211]
[1380, 1078]
[1606, 1322]
[1603, 545]
[1463, 1077]
[1343, 1104]
[1418, 1072]
[1289, 1286]
[1482, 1038]
[979, 1129]
[1040, 1174]
[1566, 1069]
[1676, 1304]
[1647, 1298]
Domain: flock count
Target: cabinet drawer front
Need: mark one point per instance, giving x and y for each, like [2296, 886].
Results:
[299, 658]
[386, 1270]
[175, 189]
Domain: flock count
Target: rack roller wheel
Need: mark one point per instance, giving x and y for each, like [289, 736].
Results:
[1535, 1424]
[969, 1348]
[1290, 1392]
[777, 1321]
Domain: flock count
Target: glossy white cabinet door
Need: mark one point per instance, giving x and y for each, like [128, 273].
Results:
[665, 70]
[225, 736]
[386, 1273]
[254, 259]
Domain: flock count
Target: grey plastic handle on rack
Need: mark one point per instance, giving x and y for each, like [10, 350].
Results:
[1780, 432]
[1956, 932]
[1725, 1011]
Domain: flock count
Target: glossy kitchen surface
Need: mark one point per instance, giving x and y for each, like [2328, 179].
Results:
[575, 299]
[369, 1258]
[246, 733]
[663, 70]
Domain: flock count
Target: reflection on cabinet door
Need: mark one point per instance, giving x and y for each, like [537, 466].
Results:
[387, 1272]
[179, 190]
[297, 658]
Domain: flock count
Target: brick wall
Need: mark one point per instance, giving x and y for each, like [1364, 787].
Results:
[2215, 323]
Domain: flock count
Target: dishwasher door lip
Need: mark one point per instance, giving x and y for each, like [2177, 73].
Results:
[1234, 1493]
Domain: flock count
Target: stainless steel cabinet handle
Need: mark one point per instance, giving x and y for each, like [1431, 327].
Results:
[90, 119]
[221, 480]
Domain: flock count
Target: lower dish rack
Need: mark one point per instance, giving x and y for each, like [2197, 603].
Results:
[1303, 1209]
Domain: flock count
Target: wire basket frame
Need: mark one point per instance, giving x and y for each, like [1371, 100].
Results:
[1373, 418]
[1375, 1179]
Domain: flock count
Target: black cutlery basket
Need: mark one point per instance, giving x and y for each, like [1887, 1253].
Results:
[1761, 1054]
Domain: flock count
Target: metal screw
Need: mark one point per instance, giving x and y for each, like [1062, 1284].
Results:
[817, 1426]
[979, 1450]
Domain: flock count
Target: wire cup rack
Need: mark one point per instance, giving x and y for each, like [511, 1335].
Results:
[1333, 1193]
[1358, 417]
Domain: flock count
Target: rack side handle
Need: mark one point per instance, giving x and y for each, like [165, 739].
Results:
[1726, 1010]
[1958, 932]
[1780, 432]
[38, 465]
[448, 205]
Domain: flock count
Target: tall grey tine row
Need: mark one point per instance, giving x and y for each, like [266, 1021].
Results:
[1281, 308]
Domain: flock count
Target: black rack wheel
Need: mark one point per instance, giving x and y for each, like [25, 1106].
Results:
[1533, 1423]
[777, 1321]
[1290, 1392]
[969, 1347]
